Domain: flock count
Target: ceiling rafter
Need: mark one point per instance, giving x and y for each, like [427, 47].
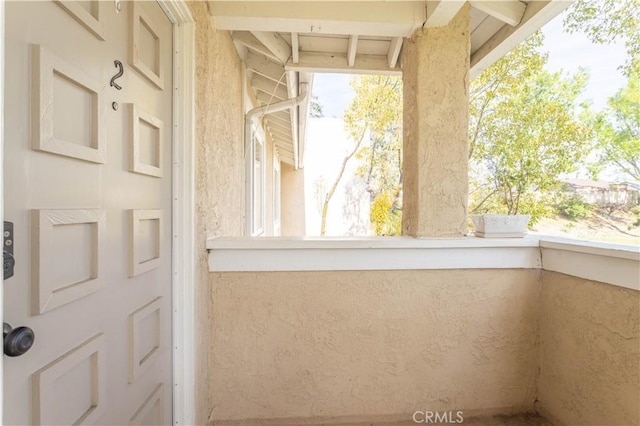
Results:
[282, 120]
[284, 116]
[394, 51]
[249, 41]
[352, 50]
[273, 96]
[284, 146]
[279, 120]
[295, 48]
[278, 125]
[266, 68]
[267, 86]
[285, 149]
[279, 133]
[266, 99]
[509, 12]
[334, 62]
[279, 48]
[440, 12]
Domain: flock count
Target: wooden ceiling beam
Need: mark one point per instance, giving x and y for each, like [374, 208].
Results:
[352, 49]
[269, 87]
[382, 18]
[250, 42]
[276, 45]
[295, 48]
[337, 63]
[394, 51]
[441, 12]
[509, 12]
[266, 68]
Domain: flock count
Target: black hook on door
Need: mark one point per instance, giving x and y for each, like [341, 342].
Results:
[120, 67]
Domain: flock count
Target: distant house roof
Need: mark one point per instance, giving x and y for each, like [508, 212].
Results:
[599, 184]
[584, 183]
[634, 185]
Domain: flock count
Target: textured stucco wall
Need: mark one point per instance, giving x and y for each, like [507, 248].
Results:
[371, 343]
[590, 352]
[219, 172]
[293, 209]
[436, 116]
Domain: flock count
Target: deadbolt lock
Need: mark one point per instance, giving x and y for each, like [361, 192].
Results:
[8, 261]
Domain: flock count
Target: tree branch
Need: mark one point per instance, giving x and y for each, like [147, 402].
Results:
[327, 198]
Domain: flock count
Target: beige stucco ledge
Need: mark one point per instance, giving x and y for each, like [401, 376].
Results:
[608, 263]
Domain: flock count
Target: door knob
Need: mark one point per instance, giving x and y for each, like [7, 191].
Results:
[17, 341]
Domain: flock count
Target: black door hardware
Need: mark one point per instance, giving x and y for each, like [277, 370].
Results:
[17, 341]
[119, 74]
[8, 261]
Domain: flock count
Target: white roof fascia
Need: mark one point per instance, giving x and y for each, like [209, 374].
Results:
[537, 14]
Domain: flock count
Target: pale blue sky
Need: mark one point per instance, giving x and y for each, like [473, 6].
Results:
[333, 92]
[566, 52]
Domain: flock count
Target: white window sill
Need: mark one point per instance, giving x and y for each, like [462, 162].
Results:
[609, 263]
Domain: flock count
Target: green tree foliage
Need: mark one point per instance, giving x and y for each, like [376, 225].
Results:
[618, 130]
[315, 107]
[573, 208]
[384, 219]
[373, 121]
[526, 130]
[379, 213]
[377, 112]
[607, 21]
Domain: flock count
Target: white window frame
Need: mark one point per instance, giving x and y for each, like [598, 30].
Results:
[255, 214]
[277, 197]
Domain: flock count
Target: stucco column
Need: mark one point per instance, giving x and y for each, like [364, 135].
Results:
[292, 219]
[436, 118]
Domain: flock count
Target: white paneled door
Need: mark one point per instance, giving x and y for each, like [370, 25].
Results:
[87, 186]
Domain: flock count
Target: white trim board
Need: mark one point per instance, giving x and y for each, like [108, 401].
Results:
[609, 263]
[2, 17]
[280, 243]
[183, 210]
[370, 254]
[374, 259]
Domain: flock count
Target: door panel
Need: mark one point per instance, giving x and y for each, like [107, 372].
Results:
[88, 187]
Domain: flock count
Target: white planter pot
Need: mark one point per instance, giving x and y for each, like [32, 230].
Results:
[500, 225]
